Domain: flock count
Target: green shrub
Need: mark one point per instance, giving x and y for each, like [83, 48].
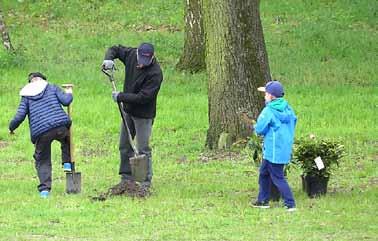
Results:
[307, 149]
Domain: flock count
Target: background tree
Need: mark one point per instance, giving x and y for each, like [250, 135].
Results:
[4, 34]
[193, 56]
[236, 62]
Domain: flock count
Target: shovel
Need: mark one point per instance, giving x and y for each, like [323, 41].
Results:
[73, 178]
[139, 162]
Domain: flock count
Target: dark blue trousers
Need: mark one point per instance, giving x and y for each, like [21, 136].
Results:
[273, 173]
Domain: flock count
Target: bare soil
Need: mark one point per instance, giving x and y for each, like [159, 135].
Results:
[125, 188]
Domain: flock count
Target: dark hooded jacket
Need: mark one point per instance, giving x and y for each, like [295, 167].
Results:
[44, 110]
[141, 85]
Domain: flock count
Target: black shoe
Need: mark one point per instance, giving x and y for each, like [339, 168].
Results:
[258, 204]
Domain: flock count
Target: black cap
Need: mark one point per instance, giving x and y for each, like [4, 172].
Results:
[36, 74]
[145, 54]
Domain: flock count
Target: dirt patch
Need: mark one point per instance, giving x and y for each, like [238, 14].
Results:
[160, 28]
[220, 156]
[3, 144]
[373, 181]
[94, 150]
[125, 188]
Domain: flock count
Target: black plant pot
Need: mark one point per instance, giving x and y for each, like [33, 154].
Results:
[314, 186]
[274, 193]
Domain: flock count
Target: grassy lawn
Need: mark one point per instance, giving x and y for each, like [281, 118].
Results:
[325, 53]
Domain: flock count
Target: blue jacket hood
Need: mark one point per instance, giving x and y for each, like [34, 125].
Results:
[34, 90]
[280, 109]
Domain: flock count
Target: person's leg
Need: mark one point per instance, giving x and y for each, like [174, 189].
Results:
[125, 149]
[278, 178]
[63, 136]
[143, 128]
[42, 156]
[264, 183]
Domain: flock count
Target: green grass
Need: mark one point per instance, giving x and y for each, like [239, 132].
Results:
[325, 53]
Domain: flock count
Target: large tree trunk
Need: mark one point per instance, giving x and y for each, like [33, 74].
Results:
[193, 56]
[4, 34]
[237, 64]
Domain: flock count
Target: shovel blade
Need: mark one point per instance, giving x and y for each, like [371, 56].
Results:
[139, 167]
[73, 182]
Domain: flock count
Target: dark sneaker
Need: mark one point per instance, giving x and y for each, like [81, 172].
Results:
[258, 204]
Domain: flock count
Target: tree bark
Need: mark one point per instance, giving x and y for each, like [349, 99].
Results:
[4, 34]
[193, 56]
[236, 62]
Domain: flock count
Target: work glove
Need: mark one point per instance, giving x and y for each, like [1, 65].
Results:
[115, 95]
[108, 65]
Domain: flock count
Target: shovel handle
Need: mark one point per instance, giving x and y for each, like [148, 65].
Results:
[121, 109]
[69, 111]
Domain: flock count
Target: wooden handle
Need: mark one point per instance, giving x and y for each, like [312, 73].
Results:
[65, 86]
[69, 111]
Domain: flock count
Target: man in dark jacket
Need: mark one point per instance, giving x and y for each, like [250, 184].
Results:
[140, 90]
[42, 103]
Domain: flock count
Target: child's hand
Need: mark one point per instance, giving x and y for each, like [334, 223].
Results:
[246, 119]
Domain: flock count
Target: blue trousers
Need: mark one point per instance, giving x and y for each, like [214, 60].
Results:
[273, 173]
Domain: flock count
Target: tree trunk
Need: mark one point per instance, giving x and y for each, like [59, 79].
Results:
[237, 64]
[193, 56]
[4, 34]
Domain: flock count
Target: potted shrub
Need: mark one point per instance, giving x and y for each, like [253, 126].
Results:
[317, 158]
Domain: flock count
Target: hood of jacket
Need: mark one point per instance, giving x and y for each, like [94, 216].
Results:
[34, 90]
[280, 109]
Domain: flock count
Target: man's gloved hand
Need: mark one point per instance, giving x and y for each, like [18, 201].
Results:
[115, 95]
[108, 64]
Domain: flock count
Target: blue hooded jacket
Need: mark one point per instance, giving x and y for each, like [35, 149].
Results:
[276, 123]
[43, 106]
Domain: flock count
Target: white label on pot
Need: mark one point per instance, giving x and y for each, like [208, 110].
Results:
[319, 163]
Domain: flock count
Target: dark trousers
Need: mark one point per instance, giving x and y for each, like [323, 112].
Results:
[273, 173]
[42, 154]
[140, 129]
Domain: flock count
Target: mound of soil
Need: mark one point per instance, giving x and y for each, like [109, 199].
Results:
[126, 188]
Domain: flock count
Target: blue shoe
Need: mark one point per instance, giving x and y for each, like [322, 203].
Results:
[44, 194]
[67, 167]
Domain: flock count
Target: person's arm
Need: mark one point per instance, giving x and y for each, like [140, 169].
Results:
[118, 52]
[148, 92]
[22, 111]
[64, 98]
[263, 121]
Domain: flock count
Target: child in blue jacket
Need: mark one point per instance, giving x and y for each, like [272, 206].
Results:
[42, 103]
[276, 123]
